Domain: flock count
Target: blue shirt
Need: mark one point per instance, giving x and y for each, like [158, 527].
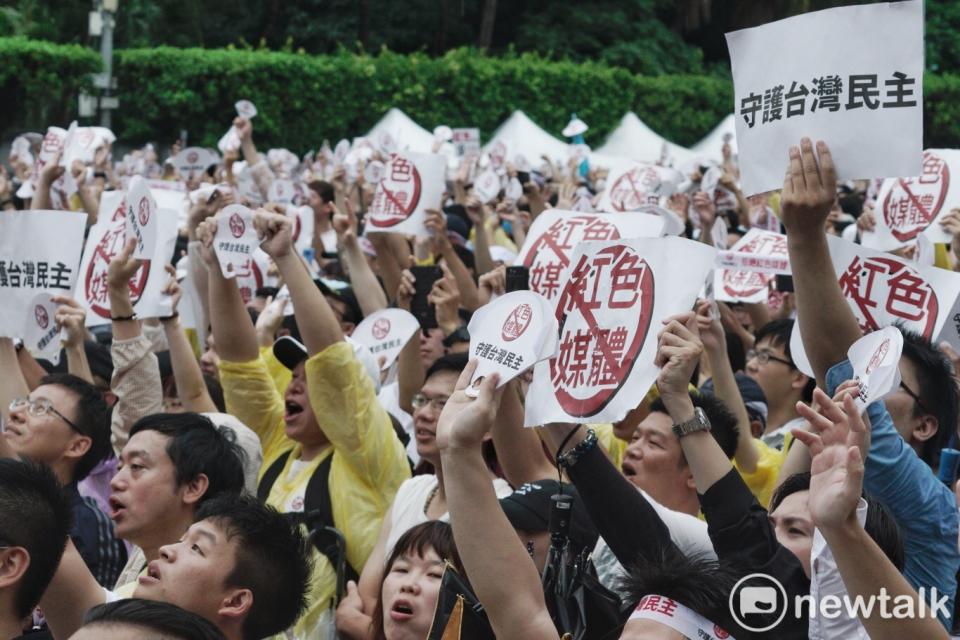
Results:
[925, 509]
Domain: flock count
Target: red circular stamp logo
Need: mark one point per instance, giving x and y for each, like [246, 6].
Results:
[143, 211]
[720, 632]
[912, 204]
[43, 318]
[498, 154]
[517, 322]
[397, 195]
[634, 189]
[602, 328]
[381, 328]
[237, 225]
[745, 284]
[192, 157]
[878, 356]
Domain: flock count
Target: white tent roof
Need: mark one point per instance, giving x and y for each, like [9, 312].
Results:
[635, 140]
[522, 135]
[712, 144]
[407, 133]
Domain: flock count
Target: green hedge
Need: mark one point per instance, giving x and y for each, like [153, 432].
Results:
[303, 99]
[40, 81]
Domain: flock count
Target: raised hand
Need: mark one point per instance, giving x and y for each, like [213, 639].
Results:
[275, 231]
[678, 353]
[71, 319]
[464, 421]
[809, 189]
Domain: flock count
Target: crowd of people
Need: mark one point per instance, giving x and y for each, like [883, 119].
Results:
[261, 474]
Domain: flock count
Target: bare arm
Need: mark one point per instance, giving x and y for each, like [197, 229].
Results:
[809, 191]
[519, 450]
[72, 592]
[469, 295]
[191, 389]
[501, 572]
[370, 295]
[410, 371]
[393, 256]
[71, 318]
[479, 214]
[48, 175]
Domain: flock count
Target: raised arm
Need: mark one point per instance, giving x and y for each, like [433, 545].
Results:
[45, 179]
[809, 191]
[468, 288]
[72, 592]
[410, 371]
[191, 389]
[71, 317]
[479, 214]
[500, 570]
[519, 450]
[370, 295]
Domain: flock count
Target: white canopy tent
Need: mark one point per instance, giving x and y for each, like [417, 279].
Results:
[523, 136]
[406, 133]
[712, 144]
[635, 140]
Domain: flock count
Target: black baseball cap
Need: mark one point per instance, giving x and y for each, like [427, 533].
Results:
[346, 296]
[528, 508]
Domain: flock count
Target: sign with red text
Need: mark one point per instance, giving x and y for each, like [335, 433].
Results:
[51, 145]
[104, 241]
[466, 141]
[411, 184]
[194, 160]
[34, 260]
[632, 185]
[235, 239]
[750, 266]
[385, 333]
[609, 312]
[555, 233]
[487, 186]
[511, 334]
[40, 334]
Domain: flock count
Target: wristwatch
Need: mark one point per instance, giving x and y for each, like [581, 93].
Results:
[698, 422]
[460, 335]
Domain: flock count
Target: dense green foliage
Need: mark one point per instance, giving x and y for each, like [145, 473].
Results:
[304, 99]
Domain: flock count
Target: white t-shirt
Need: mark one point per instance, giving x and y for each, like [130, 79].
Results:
[295, 502]
[389, 398]
[410, 502]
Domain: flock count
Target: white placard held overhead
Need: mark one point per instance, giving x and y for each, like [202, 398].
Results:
[411, 184]
[281, 191]
[487, 186]
[750, 266]
[609, 314]
[39, 253]
[511, 334]
[385, 333]
[194, 160]
[875, 358]
[633, 185]
[235, 240]
[848, 76]
[40, 334]
[246, 109]
[142, 217]
[466, 141]
[555, 234]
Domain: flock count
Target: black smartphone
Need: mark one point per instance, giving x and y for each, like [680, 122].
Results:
[424, 312]
[784, 283]
[518, 279]
[523, 177]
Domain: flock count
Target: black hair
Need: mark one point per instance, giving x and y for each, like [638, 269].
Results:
[455, 362]
[879, 525]
[937, 389]
[735, 351]
[92, 417]
[37, 517]
[417, 541]
[323, 189]
[158, 618]
[215, 389]
[723, 424]
[778, 332]
[273, 561]
[695, 581]
[197, 446]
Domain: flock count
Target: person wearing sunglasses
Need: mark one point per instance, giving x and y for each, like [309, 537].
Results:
[65, 424]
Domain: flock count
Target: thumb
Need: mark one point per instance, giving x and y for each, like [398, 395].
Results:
[351, 587]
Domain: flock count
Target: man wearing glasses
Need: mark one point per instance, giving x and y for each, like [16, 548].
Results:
[65, 424]
[770, 364]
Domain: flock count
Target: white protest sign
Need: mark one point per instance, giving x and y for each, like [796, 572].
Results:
[487, 186]
[498, 154]
[466, 141]
[303, 226]
[171, 198]
[844, 75]
[719, 233]
[511, 334]
[910, 207]
[555, 233]
[632, 185]
[230, 140]
[142, 219]
[253, 274]
[81, 143]
[673, 225]
[514, 190]
[341, 151]
[750, 266]
[883, 289]
[194, 160]
[373, 172]
[235, 239]
[388, 144]
[246, 109]
[281, 191]
[247, 188]
[39, 252]
[51, 145]
[609, 314]
[875, 358]
[40, 334]
[385, 333]
[411, 184]
[104, 241]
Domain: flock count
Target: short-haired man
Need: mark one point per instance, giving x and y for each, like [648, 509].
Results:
[240, 565]
[138, 618]
[65, 424]
[33, 532]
